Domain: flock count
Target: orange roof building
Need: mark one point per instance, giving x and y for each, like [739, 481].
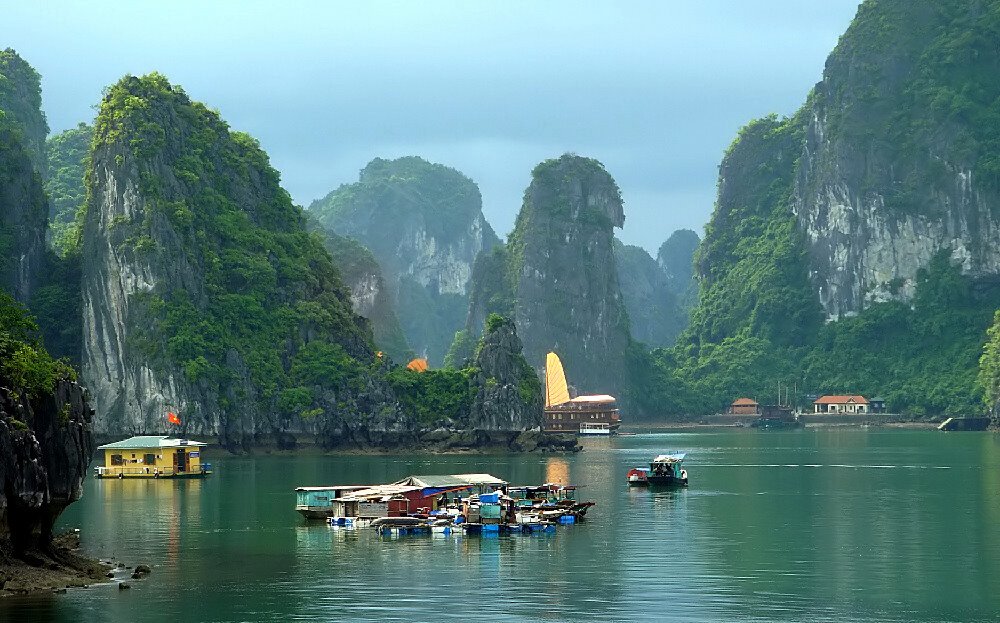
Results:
[744, 406]
[841, 404]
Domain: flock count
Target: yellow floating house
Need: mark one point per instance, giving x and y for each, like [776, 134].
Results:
[153, 456]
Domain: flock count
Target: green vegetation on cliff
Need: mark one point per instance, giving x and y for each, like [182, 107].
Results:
[908, 105]
[24, 362]
[423, 222]
[266, 292]
[21, 103]
[68, 160]
[372, 300]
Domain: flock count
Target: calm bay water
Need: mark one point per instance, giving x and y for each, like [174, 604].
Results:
[836, 524]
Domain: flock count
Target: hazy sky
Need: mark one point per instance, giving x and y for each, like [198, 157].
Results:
[654, 90]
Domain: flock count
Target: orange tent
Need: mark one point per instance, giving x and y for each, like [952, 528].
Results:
[417, 365]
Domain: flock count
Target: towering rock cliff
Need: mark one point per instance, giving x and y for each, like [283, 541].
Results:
[655, 318]
[874, 205]
[557, 274]
[370, 297]
[676, 258]
[23, 210]
[425, 226]
[45, 437]
[899, 155]
[203, 292]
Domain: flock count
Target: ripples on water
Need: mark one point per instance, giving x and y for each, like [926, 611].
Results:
[798, 526]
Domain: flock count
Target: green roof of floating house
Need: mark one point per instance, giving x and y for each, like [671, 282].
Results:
[150, 441]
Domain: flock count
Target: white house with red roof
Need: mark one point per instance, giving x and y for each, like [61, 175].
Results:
[841, 404]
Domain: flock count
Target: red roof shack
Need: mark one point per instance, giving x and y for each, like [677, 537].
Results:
[841, 404]
[744, 406]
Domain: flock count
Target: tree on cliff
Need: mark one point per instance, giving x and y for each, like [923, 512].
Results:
[989, 368]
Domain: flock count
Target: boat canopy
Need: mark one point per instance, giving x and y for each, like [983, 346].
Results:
[556, 389]
[601, 398]
[670, 458]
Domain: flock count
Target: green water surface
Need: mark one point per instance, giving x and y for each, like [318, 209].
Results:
[812, 525]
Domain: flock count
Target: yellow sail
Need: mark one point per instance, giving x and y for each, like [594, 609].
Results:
[556, 391]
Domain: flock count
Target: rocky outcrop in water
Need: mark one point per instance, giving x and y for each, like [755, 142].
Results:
[45, 449]
[556, 275]
[508, 396]
[425, 226]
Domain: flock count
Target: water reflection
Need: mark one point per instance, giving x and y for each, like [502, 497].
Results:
[843, 524]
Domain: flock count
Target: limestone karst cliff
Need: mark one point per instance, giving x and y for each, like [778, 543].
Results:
[899, 155]
[45, 436]
[556, 275]
[425, 226]
[23, 209]
[676, 258]
[655, 316]
[370, 297]
[203, 291]
[508, 392]
[873, 207]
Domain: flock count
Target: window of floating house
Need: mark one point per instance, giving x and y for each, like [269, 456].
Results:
[116, 459]
[149, 459]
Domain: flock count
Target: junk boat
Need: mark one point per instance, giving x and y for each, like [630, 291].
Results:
[664, 470]
[583, 415]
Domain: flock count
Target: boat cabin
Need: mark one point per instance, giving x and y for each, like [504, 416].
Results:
[594, 415]
[153, 456]
[316, 502]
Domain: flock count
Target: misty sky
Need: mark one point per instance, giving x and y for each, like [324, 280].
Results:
[654, 90]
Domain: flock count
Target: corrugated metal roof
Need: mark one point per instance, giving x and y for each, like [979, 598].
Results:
[451, 480]
[150, 441]
[839, 400]
[749, 402]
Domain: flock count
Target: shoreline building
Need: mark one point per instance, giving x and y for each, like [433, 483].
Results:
[153, 456]
[583, 415]
[841, 404]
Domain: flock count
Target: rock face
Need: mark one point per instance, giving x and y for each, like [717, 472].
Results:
[509, 395]
[676, 258]
[370, 297]
[425, 226]
[45, 448]
[654, 316]
[68, 156]
[557, 274]
[898, 159]
[203, 292]
[45, 438]
[23, 209]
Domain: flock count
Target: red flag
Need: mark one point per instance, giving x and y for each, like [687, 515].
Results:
[172, 418]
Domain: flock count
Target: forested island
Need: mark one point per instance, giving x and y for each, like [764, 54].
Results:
[851, 250]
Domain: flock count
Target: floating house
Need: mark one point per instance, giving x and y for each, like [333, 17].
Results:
[412, 494]
[841, 404]
[153, 456]
[317, 502]
[588, 415]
